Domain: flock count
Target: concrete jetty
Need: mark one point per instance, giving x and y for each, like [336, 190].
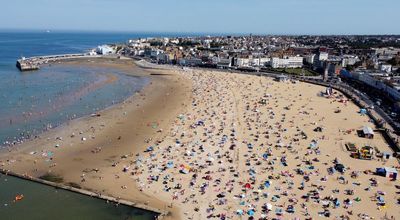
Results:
[33, 63]
[24, 65]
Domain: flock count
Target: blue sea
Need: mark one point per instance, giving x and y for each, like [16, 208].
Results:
[32, 102]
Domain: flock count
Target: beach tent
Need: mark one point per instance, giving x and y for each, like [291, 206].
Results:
[267, 184]
[340, 167]
[278, 211]
[250, 212]
[381, 200]
[363, 111]
[387, 172]
[386, 155]
[368, 132]
[318, 129]
[184, 169]
[313, 144]
[291, 209]
[239, 212]
[247, 185]
[149, 149]
[170, 164]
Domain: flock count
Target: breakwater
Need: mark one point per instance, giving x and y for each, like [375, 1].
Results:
[33, 63]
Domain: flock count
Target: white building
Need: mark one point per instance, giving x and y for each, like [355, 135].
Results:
[247, 62]
[349, 60]
[241, 62]
[104, 49]
[309, 58]
[377, 82]
[224, 63]
[189, 61]
[322, 56]
[287, 62]
[263, 61]
[385, 68]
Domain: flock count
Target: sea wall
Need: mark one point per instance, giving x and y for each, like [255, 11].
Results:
[33, 63]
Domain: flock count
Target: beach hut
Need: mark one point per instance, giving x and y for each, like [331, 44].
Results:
[386, 155]
[387, 172]
[329, 91]
[368, 132]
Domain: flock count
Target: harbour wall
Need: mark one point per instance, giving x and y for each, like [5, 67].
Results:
[34, 63]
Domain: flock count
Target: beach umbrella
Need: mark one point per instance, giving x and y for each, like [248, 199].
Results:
[150, 148]
[250, 212]
[170, 164]
[247, 185]
[267, 184]
[269, 206]
[49, 153]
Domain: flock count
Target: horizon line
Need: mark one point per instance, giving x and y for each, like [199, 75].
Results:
[199, 33]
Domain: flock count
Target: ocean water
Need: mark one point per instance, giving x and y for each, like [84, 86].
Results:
[31, 102]
[42, 202]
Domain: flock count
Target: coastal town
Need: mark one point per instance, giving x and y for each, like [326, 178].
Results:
[250, 127]
[365, 62]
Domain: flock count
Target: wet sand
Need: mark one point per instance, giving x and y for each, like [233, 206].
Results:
[215, 144]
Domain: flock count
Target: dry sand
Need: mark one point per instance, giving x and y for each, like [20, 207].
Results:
[214, 124]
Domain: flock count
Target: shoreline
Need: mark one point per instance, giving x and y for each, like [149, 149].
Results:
[88, 119]
[89, 61]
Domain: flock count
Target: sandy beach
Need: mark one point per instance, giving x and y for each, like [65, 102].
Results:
[207, 144]
[91, 151]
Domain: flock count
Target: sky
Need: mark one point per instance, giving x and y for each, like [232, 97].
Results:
[205, 16]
